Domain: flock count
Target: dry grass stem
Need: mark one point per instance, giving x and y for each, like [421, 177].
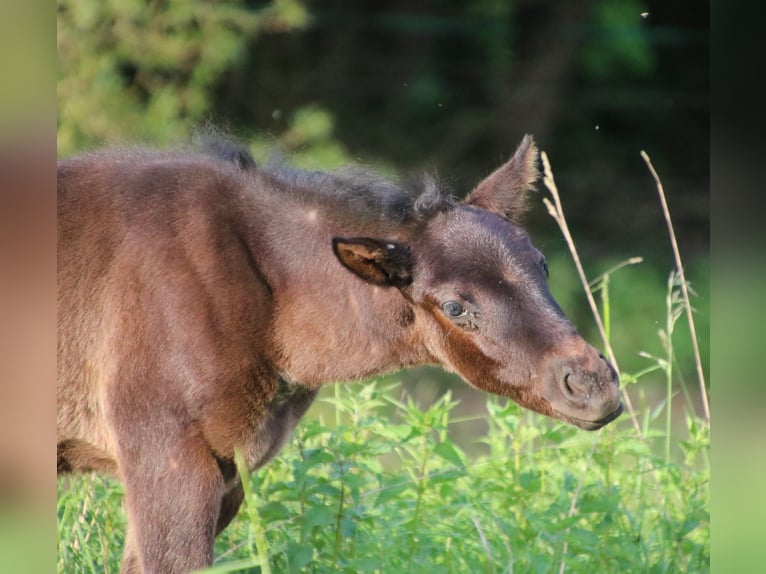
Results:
[684, 289]
[557, 212]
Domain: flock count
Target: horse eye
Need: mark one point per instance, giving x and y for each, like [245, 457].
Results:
[453, 309]
[544, 265]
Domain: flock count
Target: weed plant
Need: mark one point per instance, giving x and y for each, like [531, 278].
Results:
[371, 492]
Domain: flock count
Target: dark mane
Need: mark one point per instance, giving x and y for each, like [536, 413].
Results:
[220, 147]
[361, 192]
[352, 193]
[368, 195]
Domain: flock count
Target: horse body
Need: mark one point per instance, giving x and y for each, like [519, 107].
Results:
[203, 303]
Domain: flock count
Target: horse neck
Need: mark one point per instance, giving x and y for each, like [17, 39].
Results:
[327, 324]
[343, 332]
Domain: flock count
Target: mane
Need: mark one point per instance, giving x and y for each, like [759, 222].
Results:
[359, 192]
[218, 145]
[349, 192]
[368, 196]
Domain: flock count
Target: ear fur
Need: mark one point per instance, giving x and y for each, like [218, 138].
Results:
[380, 262]
[505, 191]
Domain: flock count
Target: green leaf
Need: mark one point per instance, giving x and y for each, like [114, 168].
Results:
[530, 480]
[449, 452]
[274, 510]
[299, 556]
[318, 516]
[391, 492]
[447, 476]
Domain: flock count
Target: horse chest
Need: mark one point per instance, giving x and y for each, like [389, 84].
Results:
[281, 415]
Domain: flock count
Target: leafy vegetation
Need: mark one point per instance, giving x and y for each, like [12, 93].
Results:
[372, 496]
[128, 71]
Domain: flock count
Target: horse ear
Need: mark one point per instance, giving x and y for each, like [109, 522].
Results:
[379, 262]
[505, 190]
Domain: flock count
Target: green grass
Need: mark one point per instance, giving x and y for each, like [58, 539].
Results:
[372, 495]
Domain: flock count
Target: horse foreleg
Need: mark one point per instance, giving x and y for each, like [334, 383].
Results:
[173, 494]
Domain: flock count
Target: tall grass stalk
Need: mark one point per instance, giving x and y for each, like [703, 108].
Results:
[339, 515]
[601, 283]
[684, 288]
[672, 312]
[557, 212]
[261, 545]
[668, 343]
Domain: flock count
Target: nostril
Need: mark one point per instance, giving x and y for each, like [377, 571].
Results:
[575, 388]
[567, 387]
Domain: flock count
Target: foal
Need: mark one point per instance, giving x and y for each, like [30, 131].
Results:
[204, 300]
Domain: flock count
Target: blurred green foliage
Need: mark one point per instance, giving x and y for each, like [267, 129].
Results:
[450, 88]
[136, 71]
[620, 44]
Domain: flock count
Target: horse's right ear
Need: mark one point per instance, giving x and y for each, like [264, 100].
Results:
[380, 262]
[505, 191]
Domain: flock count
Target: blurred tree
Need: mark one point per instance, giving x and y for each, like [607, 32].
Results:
[440, 83]
[133, 70]
[454, 85]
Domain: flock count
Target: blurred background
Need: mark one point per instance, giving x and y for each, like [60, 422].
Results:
[449, 87]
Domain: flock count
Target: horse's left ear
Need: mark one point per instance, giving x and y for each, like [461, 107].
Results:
[505, 190]
[380, 262]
